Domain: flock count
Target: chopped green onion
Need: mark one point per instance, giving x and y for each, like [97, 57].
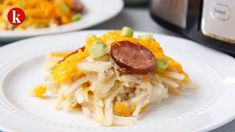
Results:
[76, 17]
[127, 32]
[146, 37]
[162, 65]
[52, 69]
[97, 49]
[64, 7]
[21, 3]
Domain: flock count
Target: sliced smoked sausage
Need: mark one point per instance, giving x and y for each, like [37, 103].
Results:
[78, 7]
[133, 56]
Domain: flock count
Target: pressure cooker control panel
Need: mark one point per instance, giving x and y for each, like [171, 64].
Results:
[218, 19]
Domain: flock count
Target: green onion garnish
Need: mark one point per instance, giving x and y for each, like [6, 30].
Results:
[97, 49]
[127, 32]
[162, 65]
[76, 17]
[64, 7]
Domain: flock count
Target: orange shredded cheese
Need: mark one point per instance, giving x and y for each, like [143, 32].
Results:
[146, 78]
[67, 69]
[123, 109]
[39, 91]
[85, 87]
[143, 109]
[59, 54]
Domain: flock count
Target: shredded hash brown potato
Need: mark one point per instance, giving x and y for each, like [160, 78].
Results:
[99, 87]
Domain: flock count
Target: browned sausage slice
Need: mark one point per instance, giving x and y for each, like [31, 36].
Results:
[134, 57]
[78, 7]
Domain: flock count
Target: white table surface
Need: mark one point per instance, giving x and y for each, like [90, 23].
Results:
[139, 19]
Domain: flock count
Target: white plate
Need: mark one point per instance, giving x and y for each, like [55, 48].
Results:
[209, 107]
[95, 13]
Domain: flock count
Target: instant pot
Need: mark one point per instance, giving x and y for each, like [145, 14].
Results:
[210, 22]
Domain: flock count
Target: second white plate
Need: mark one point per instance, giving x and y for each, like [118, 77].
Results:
[95, 13]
